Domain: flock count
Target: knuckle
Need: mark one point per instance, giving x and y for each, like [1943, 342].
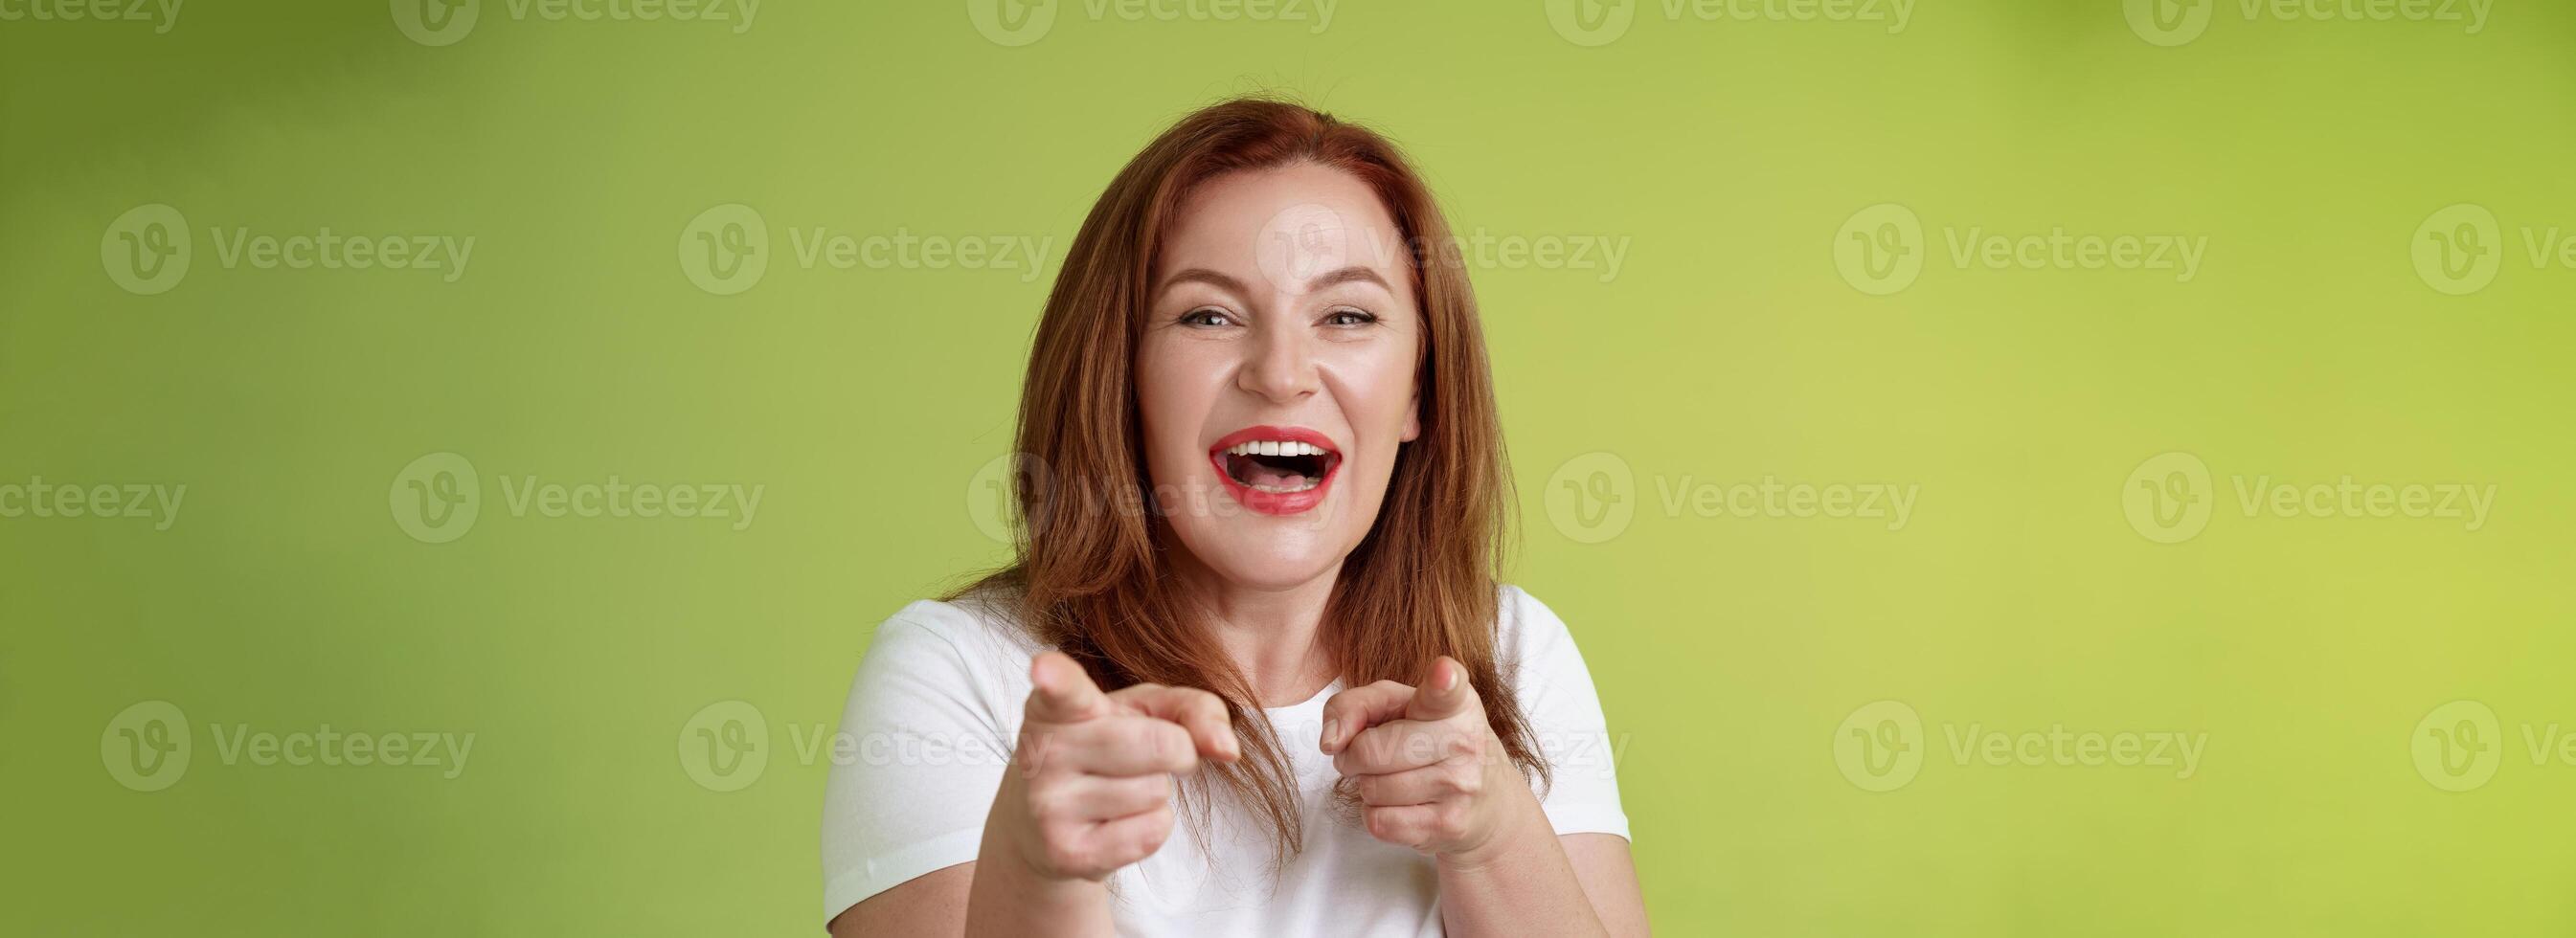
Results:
[1065, 856]
[1048, 804]
[1381, 825]
[1464, 744]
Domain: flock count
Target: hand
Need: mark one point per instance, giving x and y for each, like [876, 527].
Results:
[1091, 784]
[1428, 769]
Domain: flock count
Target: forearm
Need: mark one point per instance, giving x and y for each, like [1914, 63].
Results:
[1009, 899]
[1519, 884]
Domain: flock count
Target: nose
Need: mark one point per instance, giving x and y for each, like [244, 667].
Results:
[1281, 367]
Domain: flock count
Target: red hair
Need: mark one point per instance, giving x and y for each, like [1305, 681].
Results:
[1089, 578]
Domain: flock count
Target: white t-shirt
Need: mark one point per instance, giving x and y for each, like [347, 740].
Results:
[937, 705]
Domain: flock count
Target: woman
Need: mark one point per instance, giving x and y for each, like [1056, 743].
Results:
[1251, 673]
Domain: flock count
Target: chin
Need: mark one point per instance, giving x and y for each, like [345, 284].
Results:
[1245, 558]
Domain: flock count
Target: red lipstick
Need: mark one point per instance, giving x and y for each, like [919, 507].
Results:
[1327, 466]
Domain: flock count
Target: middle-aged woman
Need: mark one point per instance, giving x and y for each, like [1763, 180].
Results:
[1251, 672]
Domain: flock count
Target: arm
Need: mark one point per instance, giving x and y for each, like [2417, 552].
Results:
[1578, 884]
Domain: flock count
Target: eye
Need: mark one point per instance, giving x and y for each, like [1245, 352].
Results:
[1207, 316]
[1348, 317]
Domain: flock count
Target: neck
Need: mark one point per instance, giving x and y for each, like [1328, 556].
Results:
[1273, 634]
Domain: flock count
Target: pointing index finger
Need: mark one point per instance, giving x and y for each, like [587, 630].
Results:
[1202, 713]
[1061, 692]
[1446, 694]
[1359, 708]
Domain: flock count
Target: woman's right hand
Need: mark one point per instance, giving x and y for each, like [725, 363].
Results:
[1090, 786]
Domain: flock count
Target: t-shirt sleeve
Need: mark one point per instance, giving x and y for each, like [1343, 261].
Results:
[919, 756]
[1557, 695]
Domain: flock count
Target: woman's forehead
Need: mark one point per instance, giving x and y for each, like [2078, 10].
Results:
[1288, 223]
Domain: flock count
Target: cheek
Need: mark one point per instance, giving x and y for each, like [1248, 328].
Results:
[1174, 390]
[1376, 387]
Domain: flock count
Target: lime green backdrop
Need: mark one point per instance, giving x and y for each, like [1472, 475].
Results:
[1935, 584]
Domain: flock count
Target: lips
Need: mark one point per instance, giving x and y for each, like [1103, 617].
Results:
[1276, 470]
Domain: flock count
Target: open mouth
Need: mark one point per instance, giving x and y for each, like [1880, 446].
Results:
[1276, 470]
[1277, 466]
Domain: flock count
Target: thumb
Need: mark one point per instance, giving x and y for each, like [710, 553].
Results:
[1445, 694]
[1061, 691]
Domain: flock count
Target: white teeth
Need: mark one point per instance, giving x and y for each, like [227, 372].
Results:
[1275, 448]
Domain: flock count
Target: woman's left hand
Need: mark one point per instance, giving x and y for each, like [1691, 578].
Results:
[1428, 768]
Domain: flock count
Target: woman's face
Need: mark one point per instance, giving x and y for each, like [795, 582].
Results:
[1275, 375]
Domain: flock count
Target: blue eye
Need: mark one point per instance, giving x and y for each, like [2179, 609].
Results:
[1206, 316]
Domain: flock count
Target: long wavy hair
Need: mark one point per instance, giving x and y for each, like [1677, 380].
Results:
[1089, 576]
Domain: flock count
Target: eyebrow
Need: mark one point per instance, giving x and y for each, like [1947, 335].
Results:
[1353, 274]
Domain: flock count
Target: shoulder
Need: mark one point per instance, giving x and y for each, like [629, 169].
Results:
[974, 626]
[1536, 652]
[975, 619]
[1525, 628]
[970, 652]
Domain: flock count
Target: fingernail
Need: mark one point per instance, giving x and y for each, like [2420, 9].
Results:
[1332, 731]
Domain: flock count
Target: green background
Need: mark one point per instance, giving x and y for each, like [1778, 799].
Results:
[1729, 650]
